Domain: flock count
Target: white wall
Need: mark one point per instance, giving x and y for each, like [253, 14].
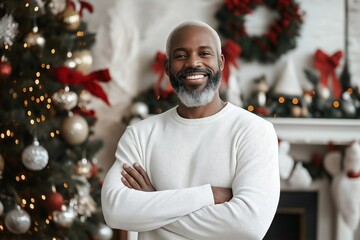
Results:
[130, 32]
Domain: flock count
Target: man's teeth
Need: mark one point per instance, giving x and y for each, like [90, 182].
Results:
[192, 77]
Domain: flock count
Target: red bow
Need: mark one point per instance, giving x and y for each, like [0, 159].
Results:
[72, 77]
[159, 68]
[83, 5]
[326, 66]
[352, 174]
[231, 51]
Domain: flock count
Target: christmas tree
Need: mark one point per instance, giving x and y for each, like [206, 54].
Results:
[49, 188]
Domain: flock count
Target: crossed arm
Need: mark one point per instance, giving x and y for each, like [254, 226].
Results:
[136, 178]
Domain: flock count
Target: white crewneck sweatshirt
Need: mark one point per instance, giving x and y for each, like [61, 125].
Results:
[184, 158]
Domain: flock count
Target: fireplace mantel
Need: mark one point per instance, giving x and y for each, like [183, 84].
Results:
[316, 130]
[311, 132]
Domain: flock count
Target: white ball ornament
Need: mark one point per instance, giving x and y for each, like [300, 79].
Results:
[74, 129]
[324, 93]
[18, 221]
[139, 109]
[102, 232]
[83, 60]
[35, 157]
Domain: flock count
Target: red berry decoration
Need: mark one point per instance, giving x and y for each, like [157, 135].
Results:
[5, 70]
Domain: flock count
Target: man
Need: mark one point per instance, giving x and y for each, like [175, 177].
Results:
[205, 169]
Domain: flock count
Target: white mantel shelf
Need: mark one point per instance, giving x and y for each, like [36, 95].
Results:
[317, 130]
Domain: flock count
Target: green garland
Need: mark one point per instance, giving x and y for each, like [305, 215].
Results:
[268, 47]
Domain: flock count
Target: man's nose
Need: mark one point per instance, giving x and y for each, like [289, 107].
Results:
[194, 61]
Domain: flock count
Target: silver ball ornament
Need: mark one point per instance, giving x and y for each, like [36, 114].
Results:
[65, 99]
[18, 221]
[74, 129]
[65, 217]
[35, 157]
[102, 232]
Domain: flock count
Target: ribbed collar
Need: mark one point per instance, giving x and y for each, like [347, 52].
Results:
[200, 121]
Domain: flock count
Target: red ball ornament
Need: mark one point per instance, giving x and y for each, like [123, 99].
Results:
[53, 202]
[5, 70]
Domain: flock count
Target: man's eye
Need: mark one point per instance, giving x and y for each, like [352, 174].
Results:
[179, 56]
[205, 54]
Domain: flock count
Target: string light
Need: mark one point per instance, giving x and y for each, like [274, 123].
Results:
[23, 177]
[80, 34]
[43, 65]
[38, 74]
[6, 46]
[53, 51]
[2, 135]
[1, 227]
[29, 113]
[17, 178]
[336, 104]
[65, 185]
[25, 45]
[281, 99]
[27, 5]
[37, 81]
[36, 8]
[31, 89]
[250, 108]
[52, 134]
[17, 141]
[24, 90]
[31, 206]
[295, 101]
[48, 66]
[23, 201]
[32, 122]
[350, 90]
[43, 197]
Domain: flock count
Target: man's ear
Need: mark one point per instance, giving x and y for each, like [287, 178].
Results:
[221, 61]
[167, 66]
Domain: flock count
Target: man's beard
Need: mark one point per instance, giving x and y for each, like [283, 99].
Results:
[194, 97]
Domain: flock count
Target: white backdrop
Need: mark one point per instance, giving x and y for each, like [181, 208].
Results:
[130, 32]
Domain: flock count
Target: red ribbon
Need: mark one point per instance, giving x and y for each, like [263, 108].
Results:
[326, 66]
[72, 77]
[158, 67]
[83, 5]
[231, 51]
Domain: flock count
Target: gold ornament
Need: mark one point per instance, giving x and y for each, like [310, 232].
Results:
[35, 39]
[74, 129]
[71, 19]
[83, 168]
[83, 60]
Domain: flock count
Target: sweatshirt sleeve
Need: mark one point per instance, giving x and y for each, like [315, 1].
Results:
[133, 210]
[256, 191]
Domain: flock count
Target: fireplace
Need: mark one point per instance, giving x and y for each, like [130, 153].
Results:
[296, 217]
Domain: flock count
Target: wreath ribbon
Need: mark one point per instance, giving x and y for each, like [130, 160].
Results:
[231, 51]
[326, 65]
[72, 77]
[158, 67]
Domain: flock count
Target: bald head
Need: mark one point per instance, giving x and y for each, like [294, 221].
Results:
[188, 24]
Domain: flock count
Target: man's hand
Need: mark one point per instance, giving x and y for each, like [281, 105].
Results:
[221, 194]
[136, 178]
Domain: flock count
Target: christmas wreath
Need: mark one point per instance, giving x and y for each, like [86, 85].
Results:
[268, 47]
